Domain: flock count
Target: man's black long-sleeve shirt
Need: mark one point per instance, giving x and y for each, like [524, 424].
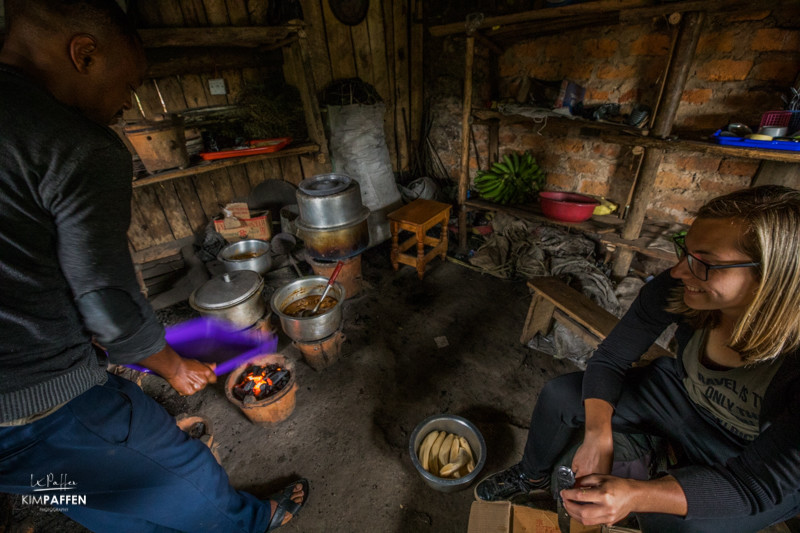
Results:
[65, 270]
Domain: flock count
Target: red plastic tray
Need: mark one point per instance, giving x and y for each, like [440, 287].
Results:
[259, 146]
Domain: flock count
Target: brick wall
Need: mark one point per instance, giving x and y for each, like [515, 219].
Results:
[743, 64]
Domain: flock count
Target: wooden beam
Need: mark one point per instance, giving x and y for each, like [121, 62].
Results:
[169, 62]
[308, 94]
[600, 6]
[222, 163]
[238, 36]
[513, 33]
[677, 73]
[785, 156]
[466, 111]
[161, 251]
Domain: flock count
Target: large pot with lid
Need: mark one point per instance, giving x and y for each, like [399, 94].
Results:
[340, 242]
[233, 296]
[330, 200]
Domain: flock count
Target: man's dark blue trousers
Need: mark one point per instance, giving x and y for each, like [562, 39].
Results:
[138, 471]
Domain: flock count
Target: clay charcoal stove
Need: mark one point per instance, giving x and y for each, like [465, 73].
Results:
[260, 382]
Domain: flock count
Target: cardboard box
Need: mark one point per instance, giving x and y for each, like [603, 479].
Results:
[236, 224]
[505, 517]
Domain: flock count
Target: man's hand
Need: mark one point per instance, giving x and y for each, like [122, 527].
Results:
[186, 376]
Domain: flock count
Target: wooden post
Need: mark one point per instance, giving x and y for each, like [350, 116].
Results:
[494, 142]
[676, 76]
[308, 93]
[463, 178]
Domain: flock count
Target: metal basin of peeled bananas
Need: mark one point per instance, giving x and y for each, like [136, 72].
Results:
[446, 455]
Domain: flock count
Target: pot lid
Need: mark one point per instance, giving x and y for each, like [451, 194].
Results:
[324, 184]
[228, 289]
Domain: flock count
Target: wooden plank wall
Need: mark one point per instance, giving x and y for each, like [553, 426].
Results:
[384, 50]
[169, 211]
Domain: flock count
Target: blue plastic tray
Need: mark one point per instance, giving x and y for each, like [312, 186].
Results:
[741, 142]
[214, 341]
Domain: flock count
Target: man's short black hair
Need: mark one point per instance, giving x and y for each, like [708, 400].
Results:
[89, 16]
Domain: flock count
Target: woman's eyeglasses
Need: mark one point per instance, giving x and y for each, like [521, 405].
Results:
[698, 267]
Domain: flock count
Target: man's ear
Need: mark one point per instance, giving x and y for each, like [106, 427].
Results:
[82, 51]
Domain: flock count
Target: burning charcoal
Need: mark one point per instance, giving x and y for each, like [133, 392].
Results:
[248, 387]
[276, 377]
[237, 391]
[249, 399]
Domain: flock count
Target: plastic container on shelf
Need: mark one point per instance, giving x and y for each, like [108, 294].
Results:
[743, 142]
[776, 118]
[567, 206]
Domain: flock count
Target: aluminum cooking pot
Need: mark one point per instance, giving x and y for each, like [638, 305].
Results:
[329, 200]
[312, 328]
[335, 243]
[249, 254]
[232, 296]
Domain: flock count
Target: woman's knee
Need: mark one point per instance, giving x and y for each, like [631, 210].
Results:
[563, 391]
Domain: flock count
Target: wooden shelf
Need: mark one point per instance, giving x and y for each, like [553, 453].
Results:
[602, 227]
[560, 122]
[507, 29]
[630, 136]
[785, 156]
[238, 36]
[209, 166]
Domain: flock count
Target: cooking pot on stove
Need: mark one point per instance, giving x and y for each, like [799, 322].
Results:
[330, 200]
[233, 296]
[335, 243]
[312, 328]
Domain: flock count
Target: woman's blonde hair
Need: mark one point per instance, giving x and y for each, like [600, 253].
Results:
[770, 217]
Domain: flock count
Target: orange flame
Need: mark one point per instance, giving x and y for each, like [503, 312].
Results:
[260, 380]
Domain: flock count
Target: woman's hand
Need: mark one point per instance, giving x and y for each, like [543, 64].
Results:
[601, 499]
[596, 454]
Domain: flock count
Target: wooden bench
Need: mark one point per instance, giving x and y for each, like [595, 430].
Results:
[553, 299]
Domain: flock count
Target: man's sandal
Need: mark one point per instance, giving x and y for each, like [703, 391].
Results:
[286, 504]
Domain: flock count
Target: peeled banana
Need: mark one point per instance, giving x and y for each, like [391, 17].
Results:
[425, 448]
[433, 462]
[516, 178]
[446, 455]
[444, 451]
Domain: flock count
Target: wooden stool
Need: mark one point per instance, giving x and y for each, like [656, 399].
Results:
[418, 217]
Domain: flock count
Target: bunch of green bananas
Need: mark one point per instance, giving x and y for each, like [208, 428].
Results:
[516, 178]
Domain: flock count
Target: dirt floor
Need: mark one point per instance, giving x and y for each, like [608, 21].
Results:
[349, 433]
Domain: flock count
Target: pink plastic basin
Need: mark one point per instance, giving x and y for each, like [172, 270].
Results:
[567, 206]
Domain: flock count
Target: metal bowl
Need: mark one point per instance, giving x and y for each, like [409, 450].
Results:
[261, 263]
[451, 424]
